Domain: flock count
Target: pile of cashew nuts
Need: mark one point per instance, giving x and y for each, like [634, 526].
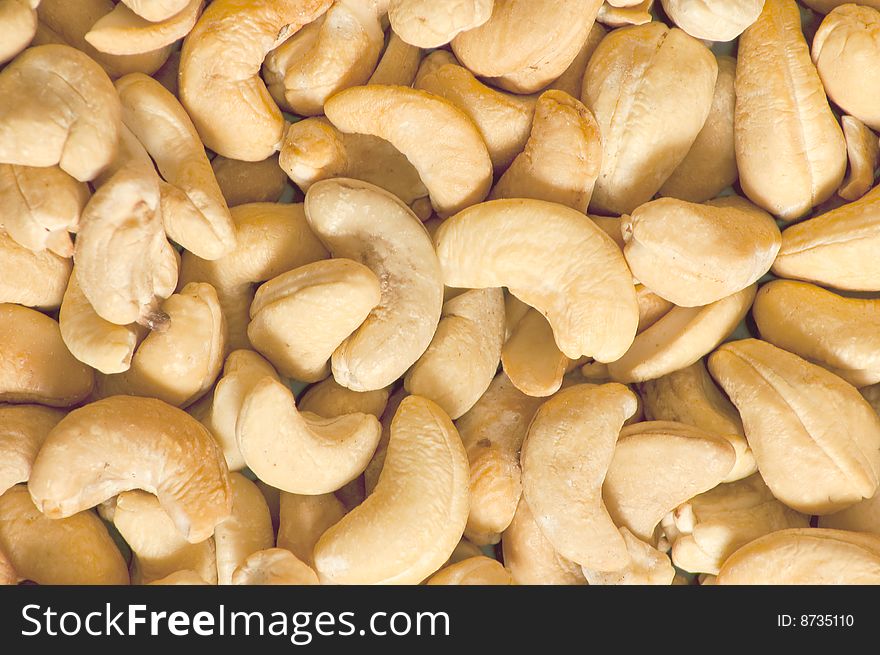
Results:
[439, 291]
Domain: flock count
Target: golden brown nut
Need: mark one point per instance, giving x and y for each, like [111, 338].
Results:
[790, 150]
[23, 429]
[634, 13]
[35, 365]
[814, 460]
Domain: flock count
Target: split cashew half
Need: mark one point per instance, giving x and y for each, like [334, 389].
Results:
[32, 279]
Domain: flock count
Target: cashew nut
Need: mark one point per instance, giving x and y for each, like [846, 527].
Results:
[571, 81]
[181, 578]
[480, 570]
[32, 279]
[861, 517]
[18, 24]
[531, 358]
[713, 20]
[242, 182]
[637, 13]
[647, 566]
[156, 10]
[123, 32]
[433, 23]
[247, 530]
[398, 64]
[863, 153]
[330, 399]
[304, 519]
[23, 429]
[274, 566]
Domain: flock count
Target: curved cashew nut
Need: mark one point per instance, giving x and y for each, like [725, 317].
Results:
[180, 363]
[330, 399]
[103, 345]
[453, 162]
[302, 453]
[58, 107]
[480, 570]
[729, 245]
[339, 50]
[156, 10]
[531, 358]
[35, 366]
[123, 32]
[242, 182]
[463, 357]
[41, 206]
[504, 119]
[274, 566]
[374, 468]
[805, 556]
[571, 80]
[833, 331]
[526, 44]
[398, 65]
[271, 238]
[496, 244]
[681, 337]
[299, 318]
[303, 519]
[713, 20]
[647, 566]
[433, 23]
[361, 222]
[530, 556]
[863, 153]
[126, 442]
[690, 396]
[640, 488]
[417, 512]
[568, 448]
[827, 461]
[835, 249]
[73, 550]
[161, 124]
[220, 83]
[158, 548]
[18, 24]
[23, 429]
[247, 530]
[33, 279]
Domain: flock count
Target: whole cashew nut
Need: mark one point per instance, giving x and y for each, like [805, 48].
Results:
[23, 429]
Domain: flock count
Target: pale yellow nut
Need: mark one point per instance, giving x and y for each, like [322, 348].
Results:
[359, 221]
[161, 124]
[35, 365]
[180, 363]
[641, 488]
[845, 43]
[124, 443]
[863, 152]
[816, 440]
[23, 429]
[610, 225]
[330, 399]
[300, 452]
[41, 205]
[220, 84]
[274, 566]
[158, 549]
[651, 307]
[530, 556]
[464, 550]
[647, 566]
[337, 51]
[271, 238]
[299, 318]
[571, 80]
[562, 158]
[302, 521]
[566, 454]
[314, 150]
[568, 269]
[409, 526]
[398, 64]
[710, 165]
[74, 550]
[123, 32]
[861, 517]
[514, 311]
[480, 570]
[504, 119]
[835, 249]
[68, 21]
[242, 182]
[32, 279]
[180, 578]
[833, 331]
[247, 530]
[440, 140]
[716, 523]
[690, 396]
[637, 13]
[713, 20]
[18, 24]
[58, 107]
[805, 556]
[156, 10]
[651, 89]
[433, 23]
[681, 337]
[459, 364]
[790, 151]
[492, 433]
[526, 44]
[693, 255]
[531, 359]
